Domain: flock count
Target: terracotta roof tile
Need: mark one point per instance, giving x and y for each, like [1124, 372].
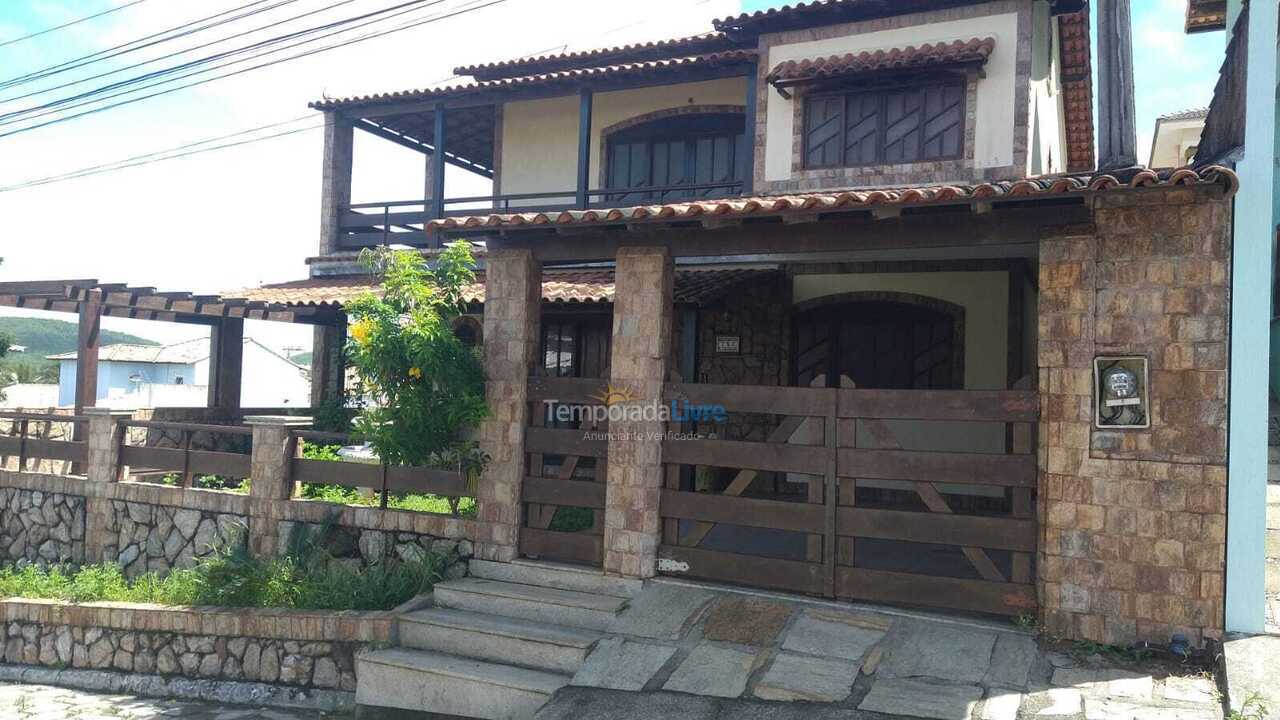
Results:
[564, 286]
[1190, 114]
[841, 200]
[646, 67]
[1076, 76]
[911, 56]
[695, 44]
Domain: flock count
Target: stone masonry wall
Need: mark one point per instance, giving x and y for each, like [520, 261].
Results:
[157, 538]
[295, 648]
[41, 527]
[1134, 521]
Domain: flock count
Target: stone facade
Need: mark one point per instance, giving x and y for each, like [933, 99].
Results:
[366, 546]
[1134, 521]
[641, 346]
[513, 308]
[311, 649]
[41, 527]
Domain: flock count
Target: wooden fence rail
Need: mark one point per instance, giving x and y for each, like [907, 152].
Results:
[21, 444]
[183, 460]
[378, 477]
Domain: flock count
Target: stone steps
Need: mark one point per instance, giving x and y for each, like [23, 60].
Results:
[433, 682]
[488, 637]
[530, 602]
[554, 575]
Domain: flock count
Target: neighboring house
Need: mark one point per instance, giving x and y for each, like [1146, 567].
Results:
[17, 348]
[1177, 138]
[141, 376]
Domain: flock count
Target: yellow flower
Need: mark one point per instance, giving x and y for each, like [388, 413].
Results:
[415, 373]
[361, 331]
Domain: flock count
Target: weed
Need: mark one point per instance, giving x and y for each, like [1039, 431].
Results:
[1026, 621]
[1084, 648]
[1253, 708]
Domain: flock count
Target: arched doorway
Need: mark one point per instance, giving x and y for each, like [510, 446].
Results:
[879, 341]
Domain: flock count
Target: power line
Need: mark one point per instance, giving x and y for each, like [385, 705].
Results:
[173, 153]
[259, 66]
[175, 53]
[141, 43]
[77, 21]
[35, 112]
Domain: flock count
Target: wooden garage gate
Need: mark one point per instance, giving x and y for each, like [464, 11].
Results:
[917, 497]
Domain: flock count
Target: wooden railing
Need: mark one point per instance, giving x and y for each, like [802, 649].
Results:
[379, 478]
[401, 222]
[28, 438]
[566, 472]
[182, 459]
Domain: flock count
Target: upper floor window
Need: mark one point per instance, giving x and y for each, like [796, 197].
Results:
[685, 156]
[888, 126]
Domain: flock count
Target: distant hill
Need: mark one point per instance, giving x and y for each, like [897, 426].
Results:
[303, 359]
[43, 336]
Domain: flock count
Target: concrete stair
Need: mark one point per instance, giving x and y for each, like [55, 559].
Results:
[496, 645]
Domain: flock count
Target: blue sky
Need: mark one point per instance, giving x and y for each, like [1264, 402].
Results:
[242, 217]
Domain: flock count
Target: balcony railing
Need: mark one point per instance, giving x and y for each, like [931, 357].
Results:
[402, 222]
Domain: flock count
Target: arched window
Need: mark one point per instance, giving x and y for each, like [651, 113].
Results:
[692, 149]
[880, 341]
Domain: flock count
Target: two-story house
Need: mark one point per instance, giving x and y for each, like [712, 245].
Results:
[886, 333]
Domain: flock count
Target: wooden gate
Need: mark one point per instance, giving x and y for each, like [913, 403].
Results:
[564, 493]
[919, 497]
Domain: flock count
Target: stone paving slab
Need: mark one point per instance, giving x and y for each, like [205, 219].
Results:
[746, 620]
[918, 699]
[799, 677]
[1199, 690]
[834, 634]
[939, 650]
[714, 671]
[620, 664]
[661, 611]
[1011, 661]
[1002, 704]
[1061, 701]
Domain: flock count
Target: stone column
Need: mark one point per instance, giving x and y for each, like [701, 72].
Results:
[335, 194]
[104, 443]
[641, 343]
[103, 465]
[512, 314]
[271, 485]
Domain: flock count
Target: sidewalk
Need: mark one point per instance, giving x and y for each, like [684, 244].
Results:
[45, 702]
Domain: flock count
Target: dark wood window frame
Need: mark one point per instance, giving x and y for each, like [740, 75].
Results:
[667, 129]
[880, 94]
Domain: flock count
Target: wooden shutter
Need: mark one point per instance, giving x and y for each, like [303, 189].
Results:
[824, 128]
[942, 135]
[862, 129]
[902, 120]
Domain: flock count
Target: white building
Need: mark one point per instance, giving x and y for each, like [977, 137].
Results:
[1176, 138]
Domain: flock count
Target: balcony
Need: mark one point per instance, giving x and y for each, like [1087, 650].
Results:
[402, 222]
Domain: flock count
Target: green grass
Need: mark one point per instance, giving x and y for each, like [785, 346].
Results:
[206, 482]
[417, 502]
[306, 577]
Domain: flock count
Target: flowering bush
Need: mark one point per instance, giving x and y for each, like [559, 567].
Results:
[423, 386]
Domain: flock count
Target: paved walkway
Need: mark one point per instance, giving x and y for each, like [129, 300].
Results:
[756, 655]
[45, 702]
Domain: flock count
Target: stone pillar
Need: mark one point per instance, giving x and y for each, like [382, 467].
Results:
[641, 344]
[512, 314]
[335, 193]
[1133, 521]
[328, 362]
[269, 467]
[104, 443]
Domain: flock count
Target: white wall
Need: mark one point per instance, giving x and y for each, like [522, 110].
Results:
[1172, 140]
[267, 379]
[540, 137]
[1048, 142]
[993, 145]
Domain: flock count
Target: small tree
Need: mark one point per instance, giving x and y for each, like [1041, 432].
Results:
[423, 385]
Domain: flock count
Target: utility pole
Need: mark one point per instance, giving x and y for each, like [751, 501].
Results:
[1117, 136]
